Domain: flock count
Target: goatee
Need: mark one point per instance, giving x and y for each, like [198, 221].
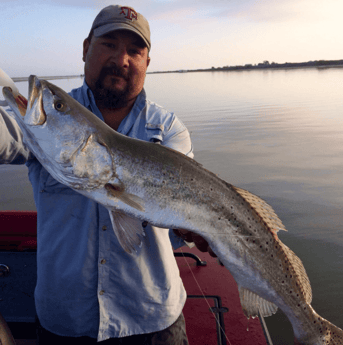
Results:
[110, 98]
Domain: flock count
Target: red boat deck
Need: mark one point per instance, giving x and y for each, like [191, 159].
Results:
[213, 313]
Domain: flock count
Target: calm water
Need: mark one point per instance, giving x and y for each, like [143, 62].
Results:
[278, 134]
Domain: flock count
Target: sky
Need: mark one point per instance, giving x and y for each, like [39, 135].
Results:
[44, 37]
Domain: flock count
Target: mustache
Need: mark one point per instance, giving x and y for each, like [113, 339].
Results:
[114, 70]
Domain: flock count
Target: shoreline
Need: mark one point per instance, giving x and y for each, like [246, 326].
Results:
[213, 69]
[250, 68]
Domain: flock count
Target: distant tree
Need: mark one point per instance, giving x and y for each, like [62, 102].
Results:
[266, 62]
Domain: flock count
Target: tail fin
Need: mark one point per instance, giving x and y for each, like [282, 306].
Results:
[322, 332]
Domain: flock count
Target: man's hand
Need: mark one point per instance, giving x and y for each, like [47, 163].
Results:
[199, 242]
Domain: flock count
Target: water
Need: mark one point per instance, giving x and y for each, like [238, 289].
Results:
[278, 134]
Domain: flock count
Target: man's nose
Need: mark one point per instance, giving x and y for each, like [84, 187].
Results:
[121, 58]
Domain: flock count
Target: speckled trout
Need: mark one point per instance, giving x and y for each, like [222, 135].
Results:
[139, 181]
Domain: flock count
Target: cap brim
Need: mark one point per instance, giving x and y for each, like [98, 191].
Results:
[105, 29]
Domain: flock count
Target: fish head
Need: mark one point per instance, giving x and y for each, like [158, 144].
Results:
[60, 133]
[50, 119]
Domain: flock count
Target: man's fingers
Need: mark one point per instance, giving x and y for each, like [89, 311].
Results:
[199, 241]
[211, 252]
[184, 234]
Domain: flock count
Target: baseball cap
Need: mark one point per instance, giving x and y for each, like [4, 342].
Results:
[117, 17]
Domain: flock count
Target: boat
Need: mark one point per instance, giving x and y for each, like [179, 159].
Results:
[212, 311]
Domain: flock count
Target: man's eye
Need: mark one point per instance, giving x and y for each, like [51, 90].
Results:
[134, 51]
[109, 45]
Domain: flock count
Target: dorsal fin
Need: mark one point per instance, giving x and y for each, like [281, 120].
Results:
[269, 217]
[299, 270]
[263, 210]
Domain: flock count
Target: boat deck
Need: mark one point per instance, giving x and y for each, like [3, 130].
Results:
[212, 311]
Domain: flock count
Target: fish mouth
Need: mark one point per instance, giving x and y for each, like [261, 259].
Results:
[31, 111]
[35, 103]
[19, 102]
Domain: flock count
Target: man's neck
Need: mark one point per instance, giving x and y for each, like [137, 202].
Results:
[114, 117]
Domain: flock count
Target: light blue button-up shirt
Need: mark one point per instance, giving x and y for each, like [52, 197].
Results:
[87, 284]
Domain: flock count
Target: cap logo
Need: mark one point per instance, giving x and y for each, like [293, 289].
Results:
[130, 14]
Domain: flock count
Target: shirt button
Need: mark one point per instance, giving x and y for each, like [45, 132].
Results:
[103, 261]
[101, 292]
[104, 227]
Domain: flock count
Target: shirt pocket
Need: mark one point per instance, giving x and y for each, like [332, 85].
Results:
[154, 132]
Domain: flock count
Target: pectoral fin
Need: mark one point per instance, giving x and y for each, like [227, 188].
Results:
[132, 200]
[252, 303]
[128, 230]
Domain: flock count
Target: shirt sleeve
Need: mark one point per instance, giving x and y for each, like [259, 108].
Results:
[12, 148]
[177, 137]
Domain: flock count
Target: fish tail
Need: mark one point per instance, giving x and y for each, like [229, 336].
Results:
[323, 332]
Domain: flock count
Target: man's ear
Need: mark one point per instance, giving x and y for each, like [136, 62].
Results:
[85, 49]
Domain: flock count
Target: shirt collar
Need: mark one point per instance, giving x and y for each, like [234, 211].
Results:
[128, 121]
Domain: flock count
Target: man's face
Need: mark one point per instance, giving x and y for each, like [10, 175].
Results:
[115, 67]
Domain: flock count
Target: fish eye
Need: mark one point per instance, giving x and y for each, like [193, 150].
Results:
[59, 106]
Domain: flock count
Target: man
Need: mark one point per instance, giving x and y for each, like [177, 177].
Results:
[88, 288]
